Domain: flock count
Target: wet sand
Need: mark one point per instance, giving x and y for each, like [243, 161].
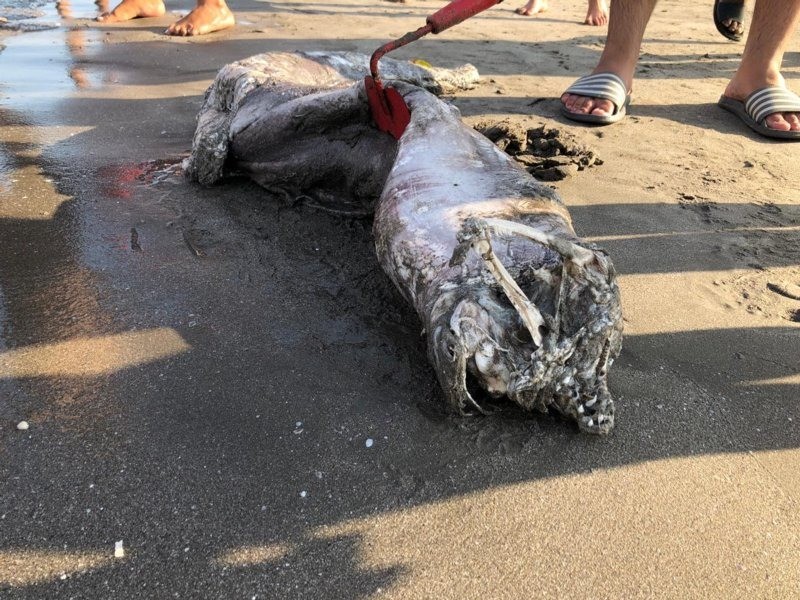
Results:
[201, 368]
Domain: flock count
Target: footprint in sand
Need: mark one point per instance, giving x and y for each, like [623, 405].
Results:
[785, 288]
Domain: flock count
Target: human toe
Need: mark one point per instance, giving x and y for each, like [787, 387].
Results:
[568, 100]
[574, 103]
[778, 122]
[584, 105]
[596, 20]
[733, 26]
[177, 28]
[602, 107]
[794, 121]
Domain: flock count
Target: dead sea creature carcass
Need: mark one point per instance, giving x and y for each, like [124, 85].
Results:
[511, 300]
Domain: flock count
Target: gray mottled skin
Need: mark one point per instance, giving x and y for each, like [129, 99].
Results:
[446, 196]
[282, 76]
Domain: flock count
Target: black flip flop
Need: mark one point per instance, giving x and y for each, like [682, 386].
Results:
[759, 105]
[723, 11]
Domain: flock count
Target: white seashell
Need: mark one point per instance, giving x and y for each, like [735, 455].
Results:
[119, 551]
[23, 426]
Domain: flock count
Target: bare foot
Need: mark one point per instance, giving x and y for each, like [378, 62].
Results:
[208, 16]
[597, 14]
[742, 85]
[533, 7]
[133, 9]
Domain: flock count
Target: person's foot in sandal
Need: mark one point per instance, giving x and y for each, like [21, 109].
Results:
[757, 93]
[581, 102]
[601, 98]
[764, 104]
[729, 18]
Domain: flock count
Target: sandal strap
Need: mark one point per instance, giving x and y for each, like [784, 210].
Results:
[770, 100]
[607, 86]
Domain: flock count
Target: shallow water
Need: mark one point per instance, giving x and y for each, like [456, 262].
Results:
[41, 13]
[48, 59]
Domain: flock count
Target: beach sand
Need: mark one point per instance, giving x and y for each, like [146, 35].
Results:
[202, 368]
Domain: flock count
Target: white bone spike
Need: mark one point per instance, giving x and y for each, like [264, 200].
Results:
[530, 315]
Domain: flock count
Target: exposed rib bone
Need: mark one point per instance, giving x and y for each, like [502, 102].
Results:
[476, 232]
[571, 251]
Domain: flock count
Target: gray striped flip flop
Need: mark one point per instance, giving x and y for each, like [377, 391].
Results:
[600, 85]
[759, 105]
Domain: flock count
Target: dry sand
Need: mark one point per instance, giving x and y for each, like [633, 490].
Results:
[201, 368]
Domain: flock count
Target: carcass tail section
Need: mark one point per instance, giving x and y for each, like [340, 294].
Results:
[279, 77]
[285, 75]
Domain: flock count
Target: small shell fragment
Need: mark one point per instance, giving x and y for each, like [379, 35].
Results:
[23, 426]
[369, 443]
[119, 551]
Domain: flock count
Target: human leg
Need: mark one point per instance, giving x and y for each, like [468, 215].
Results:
[627, 22]
[774, 23]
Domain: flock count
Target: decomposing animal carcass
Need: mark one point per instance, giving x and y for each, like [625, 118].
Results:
[511, 300]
